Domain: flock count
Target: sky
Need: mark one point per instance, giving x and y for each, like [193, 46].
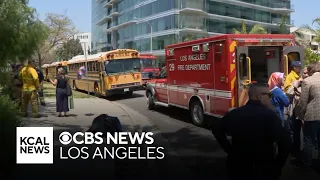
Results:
[79, 11]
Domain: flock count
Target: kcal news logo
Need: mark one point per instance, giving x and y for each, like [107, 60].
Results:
[34, 145]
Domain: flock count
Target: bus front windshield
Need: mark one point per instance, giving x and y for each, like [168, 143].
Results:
[121, 66]
[148, 63]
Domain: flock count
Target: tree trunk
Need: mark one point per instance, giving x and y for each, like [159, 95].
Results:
[39, 59]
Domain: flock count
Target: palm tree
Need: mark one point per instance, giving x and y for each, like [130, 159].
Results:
[256, 29]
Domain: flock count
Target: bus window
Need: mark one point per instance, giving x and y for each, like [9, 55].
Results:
[94, 64]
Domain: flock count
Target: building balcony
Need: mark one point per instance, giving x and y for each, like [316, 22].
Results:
[103, 20]
[118, 26]
[193, 30]
[279, 21]
[110, 3]
[106, 4]
[275, 7]
[114, 12]
[192, 9]
[160, 52]
[282, 7]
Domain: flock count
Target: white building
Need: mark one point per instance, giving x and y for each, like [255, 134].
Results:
[85, 39]
[307, 36]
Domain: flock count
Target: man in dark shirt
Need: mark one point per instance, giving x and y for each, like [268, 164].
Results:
[255, 129]
[40, 90]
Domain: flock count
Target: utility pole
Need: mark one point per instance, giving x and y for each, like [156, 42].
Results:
[86, 58]
[150, 36]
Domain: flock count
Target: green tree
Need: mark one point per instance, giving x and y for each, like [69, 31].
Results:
[256, 29]
[310, 56]
[60, 29]
[69, 49]
[283, 28]
[20, 31]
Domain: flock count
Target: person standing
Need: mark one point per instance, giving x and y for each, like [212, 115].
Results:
[254, 129]
[293, 76]
[279, 98]
[30, 84]
[309, 108]
[40, 91]
[61, 82]
[16, 84]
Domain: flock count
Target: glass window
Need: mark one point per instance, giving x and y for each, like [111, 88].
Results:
[155, 8]
[161, 24]
[165, 5]
[155, 25]
[147, 10]
[122, 66]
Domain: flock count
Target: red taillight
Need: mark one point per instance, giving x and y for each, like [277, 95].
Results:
[138, 76]
[167, 52]
[110, 79]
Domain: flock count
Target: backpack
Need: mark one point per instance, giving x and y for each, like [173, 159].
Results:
[105, 124]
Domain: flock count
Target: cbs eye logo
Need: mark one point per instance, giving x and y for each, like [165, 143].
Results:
[65, 138]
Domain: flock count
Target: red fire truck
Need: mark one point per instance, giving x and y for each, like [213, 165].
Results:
[149, 68]
[211, 76]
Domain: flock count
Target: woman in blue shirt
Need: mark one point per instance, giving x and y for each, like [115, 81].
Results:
[279, 98]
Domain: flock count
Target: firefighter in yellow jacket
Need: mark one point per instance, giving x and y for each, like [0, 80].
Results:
[30, 81]
[16, 84]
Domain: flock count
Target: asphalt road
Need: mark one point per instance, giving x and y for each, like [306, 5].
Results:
[196, 147]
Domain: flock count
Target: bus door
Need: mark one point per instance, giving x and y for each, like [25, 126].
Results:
[243, 74]
[101, 76]
[290, 54]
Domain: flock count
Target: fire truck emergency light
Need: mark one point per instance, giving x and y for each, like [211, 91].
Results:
[205, 47]
[196, 48]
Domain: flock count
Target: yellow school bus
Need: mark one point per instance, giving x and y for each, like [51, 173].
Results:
[44, 69]
[50, 70]
[112, 72]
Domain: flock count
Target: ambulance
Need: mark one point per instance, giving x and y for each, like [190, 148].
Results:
[210, 76]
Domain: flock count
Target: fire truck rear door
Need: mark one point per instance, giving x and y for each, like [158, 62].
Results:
[243, 74]
[291, 53]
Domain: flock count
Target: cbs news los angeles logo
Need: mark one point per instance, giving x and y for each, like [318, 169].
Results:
[35, 145]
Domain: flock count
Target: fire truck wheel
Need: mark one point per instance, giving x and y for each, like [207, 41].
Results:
[150, 101]
[197, 113]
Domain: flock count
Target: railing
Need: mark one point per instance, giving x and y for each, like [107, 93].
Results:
[195, 27]
[114, 10]
[114, 23]
[282, 5]
[192, 4]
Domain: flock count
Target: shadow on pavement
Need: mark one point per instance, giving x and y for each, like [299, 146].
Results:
[196, 159]
[184, 115]
[118, 97]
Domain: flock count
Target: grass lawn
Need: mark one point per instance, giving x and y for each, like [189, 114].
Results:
[50, 92]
